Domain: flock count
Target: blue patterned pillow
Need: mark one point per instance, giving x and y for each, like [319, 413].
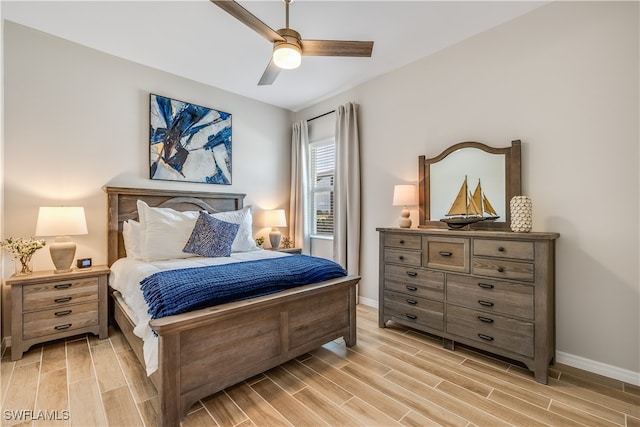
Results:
[211, 237]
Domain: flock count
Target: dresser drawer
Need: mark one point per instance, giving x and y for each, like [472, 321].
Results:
[415, 310]
[68, 317]
[414, 281]
[53, 294]
[495, 330]
[503, 269]
[404, 257]
[504, 249]
[512, 299]
[402, 241]
[446, 253]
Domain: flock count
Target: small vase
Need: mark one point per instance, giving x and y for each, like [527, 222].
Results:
[24, 265]
[521, 214]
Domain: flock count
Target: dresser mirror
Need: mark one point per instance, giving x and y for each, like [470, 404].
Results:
[465, 169]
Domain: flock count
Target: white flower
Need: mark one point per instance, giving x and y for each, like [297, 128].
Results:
[22, 248]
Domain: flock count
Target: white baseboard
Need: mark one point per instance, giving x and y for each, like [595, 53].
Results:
[368, 302]
[598, 368]
[569, 359]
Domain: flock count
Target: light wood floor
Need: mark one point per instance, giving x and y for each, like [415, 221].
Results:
[394, 376]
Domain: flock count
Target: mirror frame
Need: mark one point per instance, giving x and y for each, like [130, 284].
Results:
[513, 183]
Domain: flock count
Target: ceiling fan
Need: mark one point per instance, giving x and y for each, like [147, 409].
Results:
[288, 45]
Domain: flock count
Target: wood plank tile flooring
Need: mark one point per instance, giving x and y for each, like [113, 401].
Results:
[394, 376]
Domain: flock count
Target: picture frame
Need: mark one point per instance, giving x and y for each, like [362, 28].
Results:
[188, 142]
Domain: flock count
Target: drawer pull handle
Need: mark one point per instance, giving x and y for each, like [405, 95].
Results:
[485, 285]
[65, 299]
[485, 337]
[61, 327]
[65, 286]
[411, 288]
[411, 301]
[500, 269]
[485, 319]
[412, 273]
[62, 313]
[444, 253]
[401, 242]
[485, 303]
[400, 257]
[500, 249]
[411, 316]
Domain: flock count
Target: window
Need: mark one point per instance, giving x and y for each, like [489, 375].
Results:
[322, 161]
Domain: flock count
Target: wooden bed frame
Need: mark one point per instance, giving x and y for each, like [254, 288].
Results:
[205, 351]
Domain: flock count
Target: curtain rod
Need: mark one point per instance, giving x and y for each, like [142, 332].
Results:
[321, 115]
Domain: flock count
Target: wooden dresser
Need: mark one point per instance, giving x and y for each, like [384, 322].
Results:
[493, 290]
[46, 306]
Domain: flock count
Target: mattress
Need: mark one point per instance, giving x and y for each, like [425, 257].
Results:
[127, 273]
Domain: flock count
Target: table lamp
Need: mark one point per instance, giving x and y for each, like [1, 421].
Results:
[62, 222]
[404, 195]
[274, 219]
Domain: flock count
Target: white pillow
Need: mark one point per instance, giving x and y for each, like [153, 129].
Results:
[164, 232]
[131, 237]
[244, 239]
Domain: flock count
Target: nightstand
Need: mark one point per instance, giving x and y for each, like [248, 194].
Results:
[288, 250]
[46, 306]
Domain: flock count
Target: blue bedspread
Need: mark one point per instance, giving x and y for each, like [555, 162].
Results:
[178, 291]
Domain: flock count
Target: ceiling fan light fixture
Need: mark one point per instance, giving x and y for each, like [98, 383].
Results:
[288, 46]
[287, 56]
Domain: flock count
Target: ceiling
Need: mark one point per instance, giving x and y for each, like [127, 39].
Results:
[199, 41]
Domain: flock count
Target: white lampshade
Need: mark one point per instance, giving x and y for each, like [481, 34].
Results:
[62, 222]
[404, 195]
[275, 219]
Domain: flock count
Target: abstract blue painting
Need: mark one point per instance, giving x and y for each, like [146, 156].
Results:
[188, 142]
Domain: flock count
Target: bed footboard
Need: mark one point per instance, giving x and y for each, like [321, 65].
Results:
[206, 351]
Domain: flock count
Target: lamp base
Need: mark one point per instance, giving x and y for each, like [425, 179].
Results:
[405, 221]
[274, 238]
[62, 252]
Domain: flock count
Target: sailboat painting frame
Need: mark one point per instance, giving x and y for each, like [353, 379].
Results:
[481, 170]
[496, 170]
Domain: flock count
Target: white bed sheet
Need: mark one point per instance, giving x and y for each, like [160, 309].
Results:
[127, 273]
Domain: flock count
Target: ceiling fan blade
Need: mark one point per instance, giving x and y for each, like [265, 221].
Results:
[248, 19]
[270, 74]
[336, 48]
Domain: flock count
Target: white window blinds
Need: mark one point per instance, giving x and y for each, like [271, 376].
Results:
[322, 169]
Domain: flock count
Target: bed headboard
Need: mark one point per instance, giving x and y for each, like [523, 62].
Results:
[122, 207]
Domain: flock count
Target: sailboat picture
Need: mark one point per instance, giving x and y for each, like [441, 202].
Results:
[468, 208]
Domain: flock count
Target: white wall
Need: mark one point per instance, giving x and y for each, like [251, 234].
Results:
[77, 119]
[564, 80]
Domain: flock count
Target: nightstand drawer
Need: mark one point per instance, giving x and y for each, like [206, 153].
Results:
[53, 294]
[69, 317]
[503, 249]
[402, 241]
[445, 253]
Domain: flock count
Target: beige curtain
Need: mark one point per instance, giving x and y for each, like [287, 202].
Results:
[298, 223]
[346, 238]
